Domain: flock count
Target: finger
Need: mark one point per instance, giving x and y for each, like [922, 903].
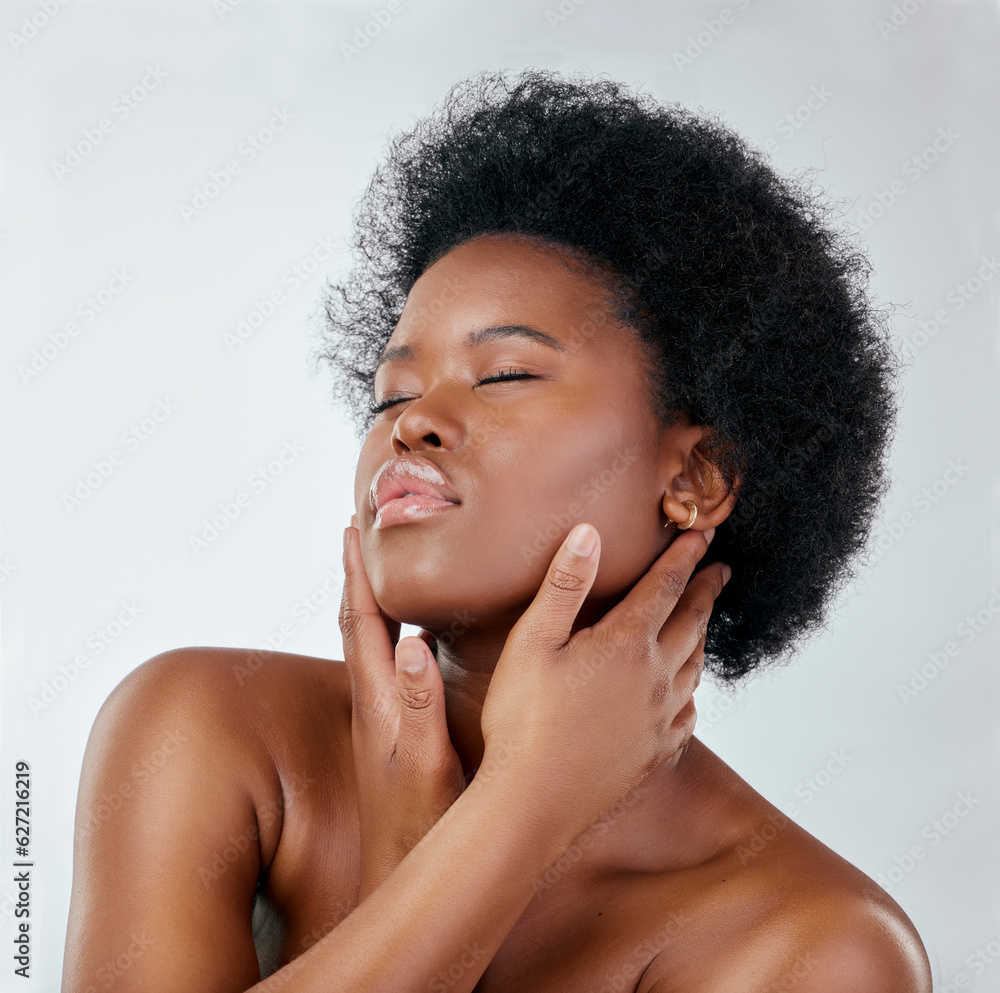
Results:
[567, 582]
[688, 677]
[368, 650]
[423, 727]
[392, 626]
[683, 725]
[650, 601]
[688, 621]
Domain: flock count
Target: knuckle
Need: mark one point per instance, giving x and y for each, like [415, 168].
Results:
[660, 729]
[699, 611]
[630, 639]
[717, 586]
[352, 623]
[566, 580]
[416, 698]
[631, 627]
[672, 584]
[345, 593]
[685, 721]
[635, 627]
[349, 618]
[688, 727]
[661, 691]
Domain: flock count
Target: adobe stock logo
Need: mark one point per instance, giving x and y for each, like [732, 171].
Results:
[966, 632]
[101, 639]
[796, 119]
[957, 299]
[30, 26]
[444, 980]
[121, 108]
[372, 28]
[914, 168]
[88, 310]
[248, 149]
[703, 39]
[933, 833]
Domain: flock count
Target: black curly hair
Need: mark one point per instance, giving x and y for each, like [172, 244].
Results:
[754, 309]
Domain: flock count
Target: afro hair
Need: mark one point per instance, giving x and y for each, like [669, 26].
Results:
[754, 308]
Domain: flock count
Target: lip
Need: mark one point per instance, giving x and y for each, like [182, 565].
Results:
[413, 507]
[410, 488]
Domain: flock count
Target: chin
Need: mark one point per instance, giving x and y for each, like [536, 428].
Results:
[452, 604]
[411, 600]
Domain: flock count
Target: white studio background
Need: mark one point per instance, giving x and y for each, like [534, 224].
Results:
[895, 103]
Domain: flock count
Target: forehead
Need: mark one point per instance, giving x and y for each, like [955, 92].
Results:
[501, 280]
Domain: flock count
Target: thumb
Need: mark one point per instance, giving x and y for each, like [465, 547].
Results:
[569, 579]
[422, 720]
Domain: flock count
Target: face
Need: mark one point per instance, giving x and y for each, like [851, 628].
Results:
[573, 439]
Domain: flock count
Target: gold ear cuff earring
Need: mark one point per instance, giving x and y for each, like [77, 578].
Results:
[692, 514]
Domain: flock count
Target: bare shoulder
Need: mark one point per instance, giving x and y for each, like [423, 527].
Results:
[231, 684]
[183, 694]
[799, 916]
[841, 935]
[835, 928]
[777, 909]
[852, 934]
[186, 780]
[217, 688]
[258, 703]
[227, 715]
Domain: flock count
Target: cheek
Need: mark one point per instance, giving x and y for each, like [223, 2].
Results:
[611, 486]
[492, 557]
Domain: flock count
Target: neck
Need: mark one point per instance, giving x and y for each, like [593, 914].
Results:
[683, 813]
[466, 670]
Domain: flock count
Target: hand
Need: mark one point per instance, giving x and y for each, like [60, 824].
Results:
[406, 770]
[581, 720]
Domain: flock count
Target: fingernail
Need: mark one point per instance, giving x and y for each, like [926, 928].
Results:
[582, 540]
[345, 539]
[709, 535]
[726, 573]
[354, 520]
[412, 658]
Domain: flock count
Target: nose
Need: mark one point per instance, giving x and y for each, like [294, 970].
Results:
[427, 422]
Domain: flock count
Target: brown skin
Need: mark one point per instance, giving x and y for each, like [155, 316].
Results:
[504, 447]
[324, 775]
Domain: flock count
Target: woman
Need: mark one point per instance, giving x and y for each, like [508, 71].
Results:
[573, 306]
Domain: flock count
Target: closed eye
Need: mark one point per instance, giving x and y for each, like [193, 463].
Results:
[509, 374]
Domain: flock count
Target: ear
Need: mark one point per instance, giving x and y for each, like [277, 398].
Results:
[687, 473]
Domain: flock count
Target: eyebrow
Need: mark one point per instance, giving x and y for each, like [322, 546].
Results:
[400, 353]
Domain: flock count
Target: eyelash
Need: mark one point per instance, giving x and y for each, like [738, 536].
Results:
[376, 408]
